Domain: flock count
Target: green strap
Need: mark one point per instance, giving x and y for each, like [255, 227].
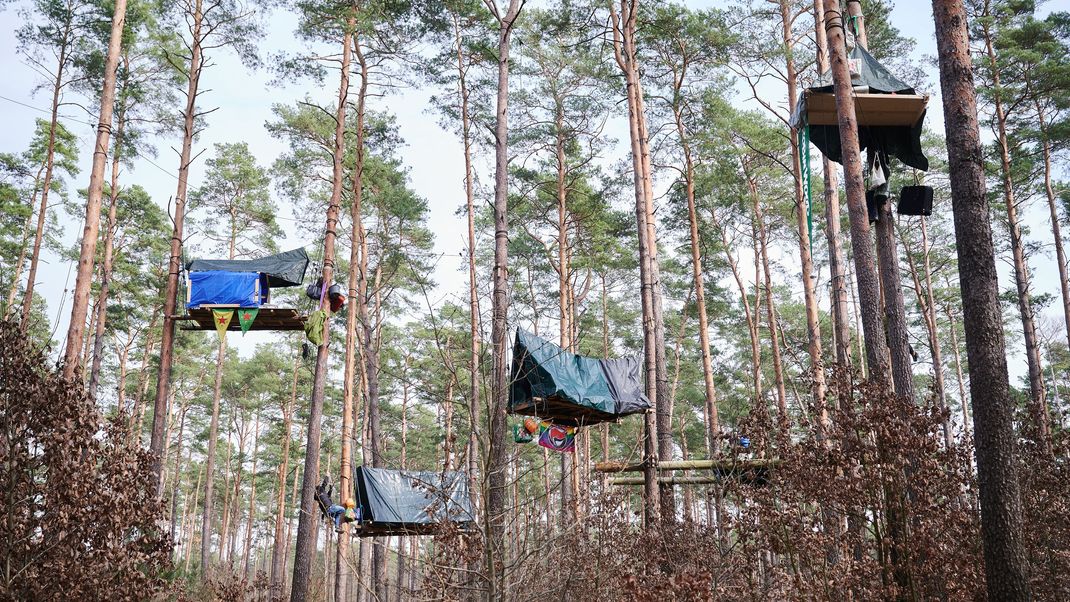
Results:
[804, 159]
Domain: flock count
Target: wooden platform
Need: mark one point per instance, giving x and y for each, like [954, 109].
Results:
[870, 109]
[269, 318]
[562, 412]
[373, 529]
[750, 471]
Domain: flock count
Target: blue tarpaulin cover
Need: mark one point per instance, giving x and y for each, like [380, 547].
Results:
[225, 288]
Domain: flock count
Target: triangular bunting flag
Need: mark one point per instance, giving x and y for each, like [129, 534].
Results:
[246, 317]
[222, 319]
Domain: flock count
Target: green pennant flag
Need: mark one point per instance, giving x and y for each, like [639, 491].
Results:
[246, 317]
[222, 318]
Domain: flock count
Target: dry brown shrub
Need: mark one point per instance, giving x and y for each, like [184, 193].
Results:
[79, 518]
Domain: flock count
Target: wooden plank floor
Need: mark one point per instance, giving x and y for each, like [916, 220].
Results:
[269, 318]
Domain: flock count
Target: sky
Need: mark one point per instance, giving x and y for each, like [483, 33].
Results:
[433, 156]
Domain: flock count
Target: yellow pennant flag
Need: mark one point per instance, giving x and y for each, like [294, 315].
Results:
[222, 318]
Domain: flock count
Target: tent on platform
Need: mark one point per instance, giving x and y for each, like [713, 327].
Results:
[215, 285]
[571, 389]
[408, 502]
[890, 113]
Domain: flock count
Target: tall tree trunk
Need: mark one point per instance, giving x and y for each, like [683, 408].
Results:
[498, 461]
[252, 499]
[861, 239]
[568, 493]
[896, 330]
[167, 338]
[87, 258]
[143, 376]
[348, 381]
[1006, 566]
[307, 523]
[24, 247]
[46, 185]
[278, 551]
[623, 25]
[474, 453]
[813, 321]
[770, 306]
[213, 434]
[928, 313]
[1049, 192]
[1037, 404]
[109, 252]
[713, 427]
[841, 317]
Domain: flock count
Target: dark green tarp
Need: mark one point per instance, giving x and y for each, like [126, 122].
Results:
[902, 142]
[541, 369]
[281, 269]
[408, 497]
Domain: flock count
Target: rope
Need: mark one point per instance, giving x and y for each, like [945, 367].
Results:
[804, 159]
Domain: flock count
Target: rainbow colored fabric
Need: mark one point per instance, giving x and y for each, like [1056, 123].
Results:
[556, 437]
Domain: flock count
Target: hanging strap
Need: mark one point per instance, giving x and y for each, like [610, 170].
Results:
[804, 164]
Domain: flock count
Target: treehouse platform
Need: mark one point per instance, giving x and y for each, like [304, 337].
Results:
[268, 318]
[870, 109]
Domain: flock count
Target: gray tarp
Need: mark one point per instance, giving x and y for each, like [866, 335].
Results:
[541, 369]
[901, 142]
[282, 269]
[408, 497]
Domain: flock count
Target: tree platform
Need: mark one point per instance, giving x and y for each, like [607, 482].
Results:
[269, 318]
[562, 412]
[870, 109]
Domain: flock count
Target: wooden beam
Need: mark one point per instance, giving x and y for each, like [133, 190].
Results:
[727, 464]
[681, 480]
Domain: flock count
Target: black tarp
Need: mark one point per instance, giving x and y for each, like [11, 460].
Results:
[408, 497]
[607, 388]
[902, 142]
[282, 269]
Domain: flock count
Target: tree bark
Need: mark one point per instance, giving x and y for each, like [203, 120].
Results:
[498, 461]
[87, 258]
[278, 552]
[252, 499]
[308, 521]
[623, 25]
[861, 239]
[109, 252]
[1037, 404]
[806, 262]
[1049, 192]
[349, 374]
[167, 338]
[50, 160]
[1006, 567]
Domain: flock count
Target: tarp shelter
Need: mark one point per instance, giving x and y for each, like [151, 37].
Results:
[281, 269]
[410, 502]
[244, 284]
[890, 113]
[571, 389]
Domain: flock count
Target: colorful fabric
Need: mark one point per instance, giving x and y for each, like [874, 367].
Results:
[521, 435]
[222, 318]
[246, 317]
[556, 437]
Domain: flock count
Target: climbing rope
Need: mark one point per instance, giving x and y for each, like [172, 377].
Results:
[804, 164]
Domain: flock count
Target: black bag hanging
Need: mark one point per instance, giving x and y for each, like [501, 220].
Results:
[916, 200]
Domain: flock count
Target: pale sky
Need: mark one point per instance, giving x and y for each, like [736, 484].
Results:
[432, 155]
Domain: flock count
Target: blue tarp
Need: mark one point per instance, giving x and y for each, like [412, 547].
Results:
[226, 288]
